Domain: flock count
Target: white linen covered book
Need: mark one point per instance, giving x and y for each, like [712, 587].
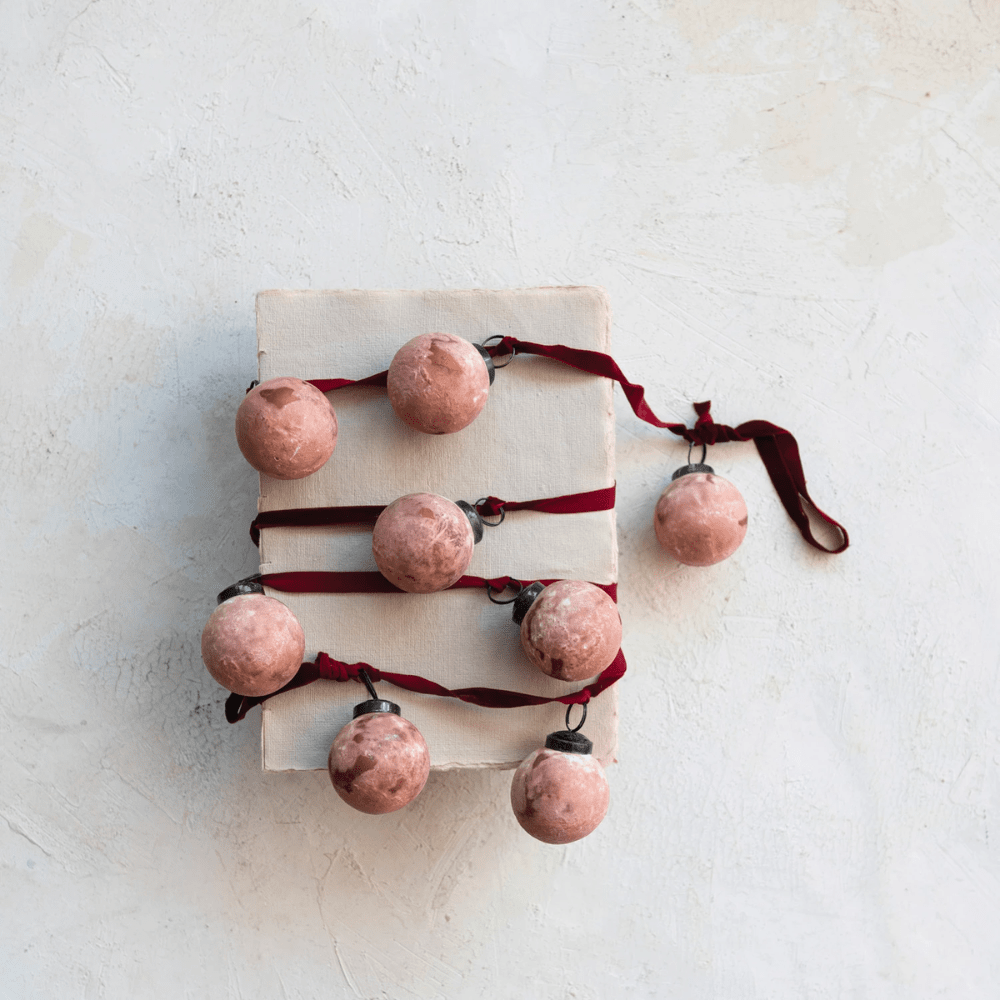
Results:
[547, 430]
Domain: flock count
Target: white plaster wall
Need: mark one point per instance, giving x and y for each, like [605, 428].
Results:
[794, 206]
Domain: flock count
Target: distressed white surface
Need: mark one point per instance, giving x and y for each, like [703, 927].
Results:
[794, 207]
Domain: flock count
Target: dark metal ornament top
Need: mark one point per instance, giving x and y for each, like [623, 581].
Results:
[686, 470]
[488, 358]
[482, 347]
[250, 585]
[570, 740]
[374, 704]
[524, 600]
[478, 522]
[474, 519]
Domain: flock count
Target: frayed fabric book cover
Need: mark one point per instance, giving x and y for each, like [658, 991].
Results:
[547, 430]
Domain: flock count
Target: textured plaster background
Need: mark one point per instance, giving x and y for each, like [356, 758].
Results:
[794, 206]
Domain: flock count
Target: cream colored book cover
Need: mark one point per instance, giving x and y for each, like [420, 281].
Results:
[546, 430]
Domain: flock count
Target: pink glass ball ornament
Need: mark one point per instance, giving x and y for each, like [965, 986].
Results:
[378, 762]
[570, 629]
[560, 793]
[286, 428]
[438, 383]
[422, 542]
[252, 644]
[700, 518]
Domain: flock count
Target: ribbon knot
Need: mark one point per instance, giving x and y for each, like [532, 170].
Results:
[490, 507]
[706, 431]
[329, 669]
[503, 346]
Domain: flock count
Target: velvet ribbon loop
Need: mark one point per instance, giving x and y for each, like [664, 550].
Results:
[299, 517]
[372, 582]
[326, 668]
[776, 446]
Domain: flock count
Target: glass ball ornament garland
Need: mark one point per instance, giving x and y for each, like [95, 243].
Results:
[422, 543]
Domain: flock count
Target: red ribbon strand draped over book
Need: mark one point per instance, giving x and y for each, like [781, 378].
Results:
[776, 446]
[778, 450]
[326, 668]
[371, 582]
[301, 517]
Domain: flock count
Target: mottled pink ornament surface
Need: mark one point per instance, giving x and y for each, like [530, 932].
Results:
[559, 797]
[252, 644]
[438, 383]
[379, 762]
[286, 428]
[700, 519]
[422, 543]
[572, 630]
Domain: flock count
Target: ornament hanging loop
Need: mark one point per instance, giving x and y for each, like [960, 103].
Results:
[482, 517]
[698, 466]
[583, 718]
[570, 740]
[490, 592]
[367, 681]
[374, 704]
[499, 337]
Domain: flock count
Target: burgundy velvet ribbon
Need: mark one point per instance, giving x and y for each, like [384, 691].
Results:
[573, 503]
[329, 384]
[371, 582]
[326, 668]
[777, 447]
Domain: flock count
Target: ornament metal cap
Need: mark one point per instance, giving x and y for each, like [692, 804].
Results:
[568, 742]
[487, 357]
[474, 519]
[249, 585]
[374, 704]
[686, 470]
[491, 365]
[525, 599]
